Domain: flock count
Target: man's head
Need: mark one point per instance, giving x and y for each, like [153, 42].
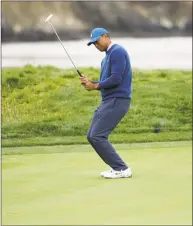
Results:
[100, 38]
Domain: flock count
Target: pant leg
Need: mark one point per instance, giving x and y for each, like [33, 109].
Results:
[94, 120]
[108, 116]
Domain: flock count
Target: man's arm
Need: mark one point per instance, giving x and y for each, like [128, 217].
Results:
[118, 64]
[90, 85]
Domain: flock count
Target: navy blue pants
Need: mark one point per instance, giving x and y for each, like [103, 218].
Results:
[106, 118]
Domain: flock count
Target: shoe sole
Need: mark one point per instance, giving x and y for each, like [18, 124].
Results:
[117, 177]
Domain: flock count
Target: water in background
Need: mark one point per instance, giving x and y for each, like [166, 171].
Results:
[145, 53]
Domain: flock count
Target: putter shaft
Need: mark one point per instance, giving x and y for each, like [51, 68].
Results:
[47, 20]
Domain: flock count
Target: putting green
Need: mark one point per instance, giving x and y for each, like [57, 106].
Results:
[61, 185]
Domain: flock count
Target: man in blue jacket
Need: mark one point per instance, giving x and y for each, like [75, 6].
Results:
[115, 87]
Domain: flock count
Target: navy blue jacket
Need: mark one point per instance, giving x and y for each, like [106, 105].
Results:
[116, 74]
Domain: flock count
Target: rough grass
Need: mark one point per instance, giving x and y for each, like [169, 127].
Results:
[50, 102]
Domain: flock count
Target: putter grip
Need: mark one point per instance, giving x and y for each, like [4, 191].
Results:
[79, 73]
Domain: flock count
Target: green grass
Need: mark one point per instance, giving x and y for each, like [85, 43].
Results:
[50, 102]
[48, 184]
[60, 185]
[115, 138]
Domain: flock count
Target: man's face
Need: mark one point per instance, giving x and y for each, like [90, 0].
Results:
[102, 43]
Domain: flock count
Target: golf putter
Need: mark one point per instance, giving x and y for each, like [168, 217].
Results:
[47, 21]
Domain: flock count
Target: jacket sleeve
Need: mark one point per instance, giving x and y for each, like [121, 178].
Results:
[117, 65]
[101, 69]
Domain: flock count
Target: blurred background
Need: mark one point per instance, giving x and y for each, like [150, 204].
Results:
[156, 34]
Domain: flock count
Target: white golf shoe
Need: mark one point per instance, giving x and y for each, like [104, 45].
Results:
[105, 172]
[113, 174]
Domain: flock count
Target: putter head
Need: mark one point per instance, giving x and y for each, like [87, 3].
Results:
[48, 18]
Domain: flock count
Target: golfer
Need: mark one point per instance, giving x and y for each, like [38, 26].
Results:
[115, 87]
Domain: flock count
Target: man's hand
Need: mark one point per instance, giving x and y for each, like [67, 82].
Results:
[84, 79]
[88, 84]
[91, 86]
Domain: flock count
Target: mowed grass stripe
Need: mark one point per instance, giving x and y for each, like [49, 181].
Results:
[65, 188]
[87, 147]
